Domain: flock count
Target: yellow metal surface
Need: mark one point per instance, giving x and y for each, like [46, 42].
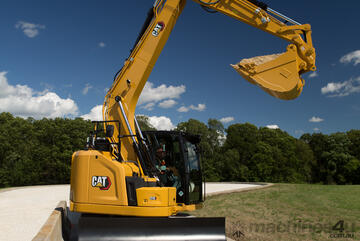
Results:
[149, 179]
[135, 72]
[123, 210]
[156, 196]
[90, 165]
[141, 211]
[98, 186]
[278, 75]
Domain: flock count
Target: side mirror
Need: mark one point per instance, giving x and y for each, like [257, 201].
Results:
[109, 131]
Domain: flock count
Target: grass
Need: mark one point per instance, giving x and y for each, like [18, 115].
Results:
[288, 212]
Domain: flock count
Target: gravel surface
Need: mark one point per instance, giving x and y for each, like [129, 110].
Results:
[24, 210]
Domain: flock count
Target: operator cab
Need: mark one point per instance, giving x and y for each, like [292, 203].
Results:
[176, 155]
[172, 156]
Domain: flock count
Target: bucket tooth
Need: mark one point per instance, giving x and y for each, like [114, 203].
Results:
[276, 74]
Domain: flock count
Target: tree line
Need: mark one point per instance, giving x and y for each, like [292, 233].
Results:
[251, 154]
[36, 152]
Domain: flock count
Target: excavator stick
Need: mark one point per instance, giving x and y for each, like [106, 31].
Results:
[121, 228]
[277, 74]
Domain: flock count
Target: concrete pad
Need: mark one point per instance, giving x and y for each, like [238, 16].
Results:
[24, 210]
[216, 187]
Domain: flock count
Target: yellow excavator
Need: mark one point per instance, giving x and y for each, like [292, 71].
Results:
[129, 185]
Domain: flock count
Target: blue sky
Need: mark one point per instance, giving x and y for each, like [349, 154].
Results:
[57, 58]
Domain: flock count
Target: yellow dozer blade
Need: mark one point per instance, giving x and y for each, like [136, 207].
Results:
[277, 74]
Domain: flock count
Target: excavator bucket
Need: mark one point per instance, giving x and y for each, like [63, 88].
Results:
[277, 74]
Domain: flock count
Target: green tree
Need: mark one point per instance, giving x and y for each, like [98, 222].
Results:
[38, 151]
[144, 123]
[208, 145]
[242, 137]
[354, 148]
[334, 160]
[318, 144]
[216, 133]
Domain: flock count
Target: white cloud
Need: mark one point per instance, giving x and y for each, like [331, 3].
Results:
[95, 114]
[183, 109]
[29, 29]
[167, 104]
[273, 126]
[164, 96]
[313, 75]
[160, 93]
[23, 101]
[161, 122]
[148, 106]
[86, 89]
[316, 119]
[102, 45]
[341, 89]
[351, 57]
[199, 107]
[226, 120]
[316, 129]
[332, 87]
[221, 138]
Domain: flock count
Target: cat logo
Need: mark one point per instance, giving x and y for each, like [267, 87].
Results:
[102, 182]
[158, 28]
